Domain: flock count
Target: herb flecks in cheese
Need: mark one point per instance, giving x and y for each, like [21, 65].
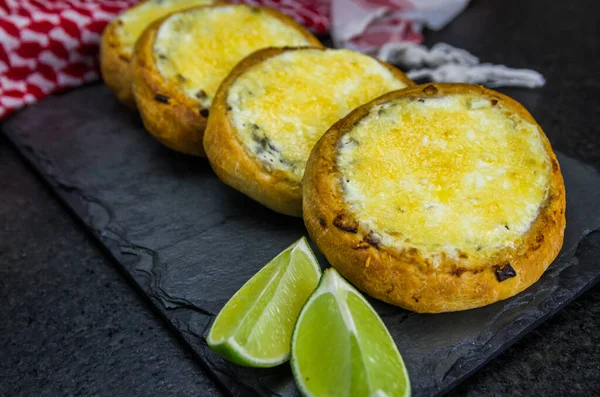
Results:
[453, 174]
[132, 23]
[291, 99]
[203, 45]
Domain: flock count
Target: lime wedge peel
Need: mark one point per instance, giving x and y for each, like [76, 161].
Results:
[340, 346]
[255, 326]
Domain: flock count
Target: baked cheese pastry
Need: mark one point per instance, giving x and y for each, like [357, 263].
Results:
[437, 198]
[180, 61]
[274, 106]
[120, 35]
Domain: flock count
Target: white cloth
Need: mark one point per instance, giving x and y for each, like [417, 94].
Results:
[391, 30]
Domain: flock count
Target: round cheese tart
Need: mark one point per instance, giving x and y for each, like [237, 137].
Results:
[120, 35]
[274, 106]
[180, 61]
[437, 198]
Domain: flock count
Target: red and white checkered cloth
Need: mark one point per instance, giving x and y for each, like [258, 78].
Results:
[368, 25]
[46, 46]
[52, 45]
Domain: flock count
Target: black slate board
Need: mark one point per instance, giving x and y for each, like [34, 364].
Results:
[189, 242]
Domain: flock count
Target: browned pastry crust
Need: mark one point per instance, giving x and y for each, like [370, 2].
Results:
[115, 61]
[404, 277]
[115, 66]
[172, 117]
[175, 119]
[230, 159]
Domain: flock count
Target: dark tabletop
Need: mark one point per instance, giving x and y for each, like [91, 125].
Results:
[71, 325]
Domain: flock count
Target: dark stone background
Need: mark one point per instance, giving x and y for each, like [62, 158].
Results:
[71, 325]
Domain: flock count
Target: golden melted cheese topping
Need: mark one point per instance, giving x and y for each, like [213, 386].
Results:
[283, 105]
[453, 174]
[134, 21]
[198, 48]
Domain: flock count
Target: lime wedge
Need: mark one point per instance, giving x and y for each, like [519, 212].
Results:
[255, 327]
[340, 346]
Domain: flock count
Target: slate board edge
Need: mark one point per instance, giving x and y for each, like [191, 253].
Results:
[75, 200]
[72, 200]
[527, 330]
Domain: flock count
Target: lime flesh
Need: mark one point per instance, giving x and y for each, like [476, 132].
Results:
[340, 346]
[255, 327]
